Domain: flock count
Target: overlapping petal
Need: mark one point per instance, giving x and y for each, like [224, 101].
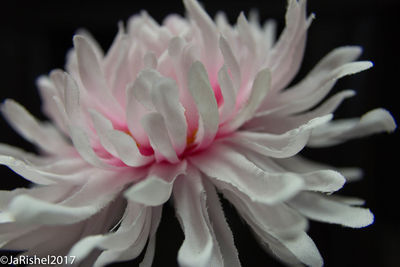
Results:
[185, 110]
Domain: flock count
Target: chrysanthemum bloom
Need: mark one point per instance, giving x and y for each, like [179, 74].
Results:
[184, 110]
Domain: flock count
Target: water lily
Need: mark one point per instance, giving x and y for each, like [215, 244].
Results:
[189, 110]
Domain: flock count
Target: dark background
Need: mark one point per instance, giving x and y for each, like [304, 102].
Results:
[34, 38]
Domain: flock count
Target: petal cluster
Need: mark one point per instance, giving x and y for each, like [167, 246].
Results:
[186, 109]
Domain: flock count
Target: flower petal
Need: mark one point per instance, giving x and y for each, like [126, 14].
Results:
[165, 97]
[82, 144]
[90, 198]
[223, 234]
[118, 143]
[228, 93]
[155, 221]
[133, 230]
[300, 164]
[92, 76]
[232, 171]
[203, 95]
[156, 188]
[231, 63]
[40, 134]
[154, 125]
[258, 92]
[208, 32]
[336, 132]
[279, 146]
[322, 208]
[278, 219]
[199, 247]
[322, 180]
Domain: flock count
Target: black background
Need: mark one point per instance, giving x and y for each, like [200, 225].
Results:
[34, 38]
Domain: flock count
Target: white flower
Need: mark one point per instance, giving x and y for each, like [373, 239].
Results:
[185, 109]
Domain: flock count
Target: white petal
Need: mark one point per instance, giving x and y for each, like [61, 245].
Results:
[27, 209]
[135, 223]
[232, 171]
[155, 221]
[128, 243]
[322, 208]
[231, 62]
[321, 180]
[299, 247]
[127, 149]
[278, 219]
[154, 125]
[165, 97]
[258, 92]
[199, 247]
[82, 144]
[89, 199]
[156, 188]
[300, 164]
[336, 132]
[203, 95]
[102, 125]
[92, 76]
[208, 32]
[279, 146]
[31, 167]
[305, 250]
[20, 168]
[134, 113]
[286, 55]
[47, 92]
[228, 93]
[246, 34]
[72, 101]
[322, 87]
[223, 234]
[40, 134]
[322, 78]
[89, 37]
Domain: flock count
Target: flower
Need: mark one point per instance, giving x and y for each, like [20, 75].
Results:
[186, 109]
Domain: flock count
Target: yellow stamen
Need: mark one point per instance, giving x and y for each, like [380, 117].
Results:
[190, 138]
